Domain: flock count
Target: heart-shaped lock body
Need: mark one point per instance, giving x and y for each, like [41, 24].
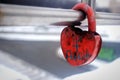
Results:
[81, 47]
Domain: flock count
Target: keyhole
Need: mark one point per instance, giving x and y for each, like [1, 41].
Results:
[75, 55]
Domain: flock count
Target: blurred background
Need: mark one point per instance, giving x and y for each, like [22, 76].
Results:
[34, 53]
[103, 5]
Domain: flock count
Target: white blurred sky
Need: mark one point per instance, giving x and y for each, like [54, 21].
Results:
[102, 3]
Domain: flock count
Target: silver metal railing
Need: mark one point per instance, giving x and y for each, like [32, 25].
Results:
[26, 15]
[35, 16]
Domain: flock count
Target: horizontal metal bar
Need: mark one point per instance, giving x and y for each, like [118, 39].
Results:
[34, 16]
[26, 15]
[112, 16]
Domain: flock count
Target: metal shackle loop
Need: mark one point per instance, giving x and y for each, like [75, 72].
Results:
[89, 13]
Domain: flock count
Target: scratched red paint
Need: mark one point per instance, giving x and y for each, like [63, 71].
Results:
[81, 47]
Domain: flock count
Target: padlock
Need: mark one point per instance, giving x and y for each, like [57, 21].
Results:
[81, 47]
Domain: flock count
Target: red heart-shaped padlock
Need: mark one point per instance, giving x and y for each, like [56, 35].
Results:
[81, 47]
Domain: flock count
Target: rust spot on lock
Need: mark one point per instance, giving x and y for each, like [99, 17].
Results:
[74, 48]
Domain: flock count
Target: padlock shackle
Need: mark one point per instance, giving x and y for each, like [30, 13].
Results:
[89, 13]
